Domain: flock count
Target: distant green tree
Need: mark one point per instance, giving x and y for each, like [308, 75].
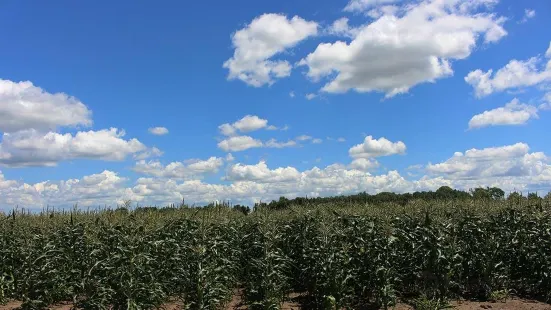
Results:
[533, 197]
[497, 193]
[481, 193]
[445, 192]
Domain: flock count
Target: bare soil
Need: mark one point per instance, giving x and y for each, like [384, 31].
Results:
[236, 304]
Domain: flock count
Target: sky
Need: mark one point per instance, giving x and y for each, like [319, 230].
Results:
[246, 101]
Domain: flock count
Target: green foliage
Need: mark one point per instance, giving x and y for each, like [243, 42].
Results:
[339, 255]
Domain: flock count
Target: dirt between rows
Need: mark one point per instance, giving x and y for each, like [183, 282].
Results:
[236, 304]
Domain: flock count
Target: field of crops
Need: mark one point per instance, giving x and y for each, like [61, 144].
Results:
[335, 255]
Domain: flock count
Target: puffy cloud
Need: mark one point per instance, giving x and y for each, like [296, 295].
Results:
[516, 74]
[304, 138]
[105, 188]
[371, 148]
[262, 39]
[229, 157]
[158, 131]
[363, 5]
[273, 143]
[239, 143]
[178, 170]
[513, 113]
[511, 160]
[394, 53]
[260, 173]
[151, 152]
[25, 106]
[510, 167]
[364, 164]
[292, 94]
[317, 141]
[383, 10]
[340, 27]
[247, 124]
[32, 148]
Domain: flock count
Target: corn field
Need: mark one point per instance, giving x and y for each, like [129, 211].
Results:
[337, 256]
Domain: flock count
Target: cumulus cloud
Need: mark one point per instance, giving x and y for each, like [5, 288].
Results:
[371, 148]
[511, 160]
[513, 113]
[515, 75]
[178, 170]
[105, 188]
[257, 43]
[363, 5]
[317, 141]
[304, 138]
[148, 153]
[246, 124]
[510, 167]
[340, 27]
[260, 173]
[32, 148]
[158, 131]
[394, 53]
[364, 164]
[25, 106]
[239, 143]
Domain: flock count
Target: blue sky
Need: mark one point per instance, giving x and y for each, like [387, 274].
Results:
[383, 93]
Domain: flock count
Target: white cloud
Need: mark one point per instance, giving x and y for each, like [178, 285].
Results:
[260, 173]
[292, 94]
[246, 124]
[25, 106]
[255, 45]
[273, 143]
[152, 152]
[341, 139]
[310, 96]
[304, 138]
[363, 5]
[371, 148]
[239, 143]
[229, 157]
[178, 170]
[393, 54]
[528, 14]
[317, 141]
[513, 113]
[546, 105]
[548, 52]
[32, 148]
[364, 164]
[250, 123]
[106, 188]
[516, 74]
[383, 10]
[158, 131]
[340, 27]
[511, 166]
